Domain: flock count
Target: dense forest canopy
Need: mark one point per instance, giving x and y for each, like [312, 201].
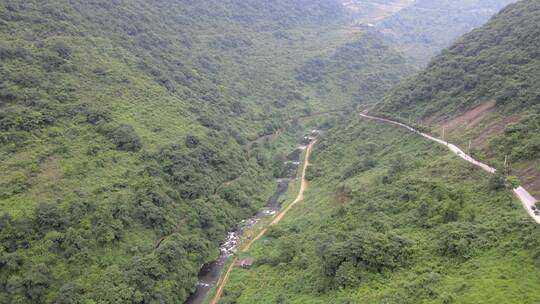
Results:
[135, 134]
[495, 61]
[118, 126]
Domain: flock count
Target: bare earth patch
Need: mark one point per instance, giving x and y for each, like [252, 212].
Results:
[482, 124]
[49, 177]
[472, 117]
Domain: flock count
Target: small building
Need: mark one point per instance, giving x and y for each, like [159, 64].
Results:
[246, 263]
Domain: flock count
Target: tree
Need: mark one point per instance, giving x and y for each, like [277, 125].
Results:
[10, 261]
[126, 139]
[460, 240]
[450, 212]
[143, 274]
[113, 288]
[70, 293]
[48, 217]
[95, 115]
[35, 283]
[192, 141]
[512, 181]
[397, 164]
[150, 214]
[498, 180]
[347, 275]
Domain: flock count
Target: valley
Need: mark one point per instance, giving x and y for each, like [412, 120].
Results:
[145, 151]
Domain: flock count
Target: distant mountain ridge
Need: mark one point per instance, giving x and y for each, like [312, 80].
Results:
[422, 29]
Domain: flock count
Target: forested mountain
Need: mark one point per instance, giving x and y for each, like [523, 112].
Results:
[134, 134]
[485, 89]
[371, 12]
[424, 28]
[391, 217]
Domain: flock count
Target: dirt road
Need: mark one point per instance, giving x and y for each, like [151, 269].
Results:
[299, 197]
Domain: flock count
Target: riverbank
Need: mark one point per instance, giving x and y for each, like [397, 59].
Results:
[248, 229]
[245, 247]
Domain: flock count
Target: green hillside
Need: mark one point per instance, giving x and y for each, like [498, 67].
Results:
[390, 217]
[484, 89]
[134, 135]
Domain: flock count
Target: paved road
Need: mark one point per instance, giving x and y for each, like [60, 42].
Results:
[527, 200]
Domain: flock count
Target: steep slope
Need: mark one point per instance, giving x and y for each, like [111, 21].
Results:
[424, 28]
[390, 217]
[123, 123]
[114, 134]
[357, 73]
[483, 89]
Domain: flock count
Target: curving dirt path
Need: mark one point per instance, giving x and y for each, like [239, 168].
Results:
[299, 197]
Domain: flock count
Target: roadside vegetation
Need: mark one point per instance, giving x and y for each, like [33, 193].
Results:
[391, 217]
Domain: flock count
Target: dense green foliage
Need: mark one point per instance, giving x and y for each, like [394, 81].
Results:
[420, 226]
[362, 70]
[134, 135]
[119, 126]
[497, 63]
[520, 140]
[421, 30]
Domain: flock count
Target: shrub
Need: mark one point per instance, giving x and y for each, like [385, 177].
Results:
[192, 141]
[62, 49]
[347, 275]
[364, 250]
[150, 214]
[20, 118]
[126, 139]
[47, 217]
[35, 283]
[70, 293]
[462, 240]
[95, 115]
